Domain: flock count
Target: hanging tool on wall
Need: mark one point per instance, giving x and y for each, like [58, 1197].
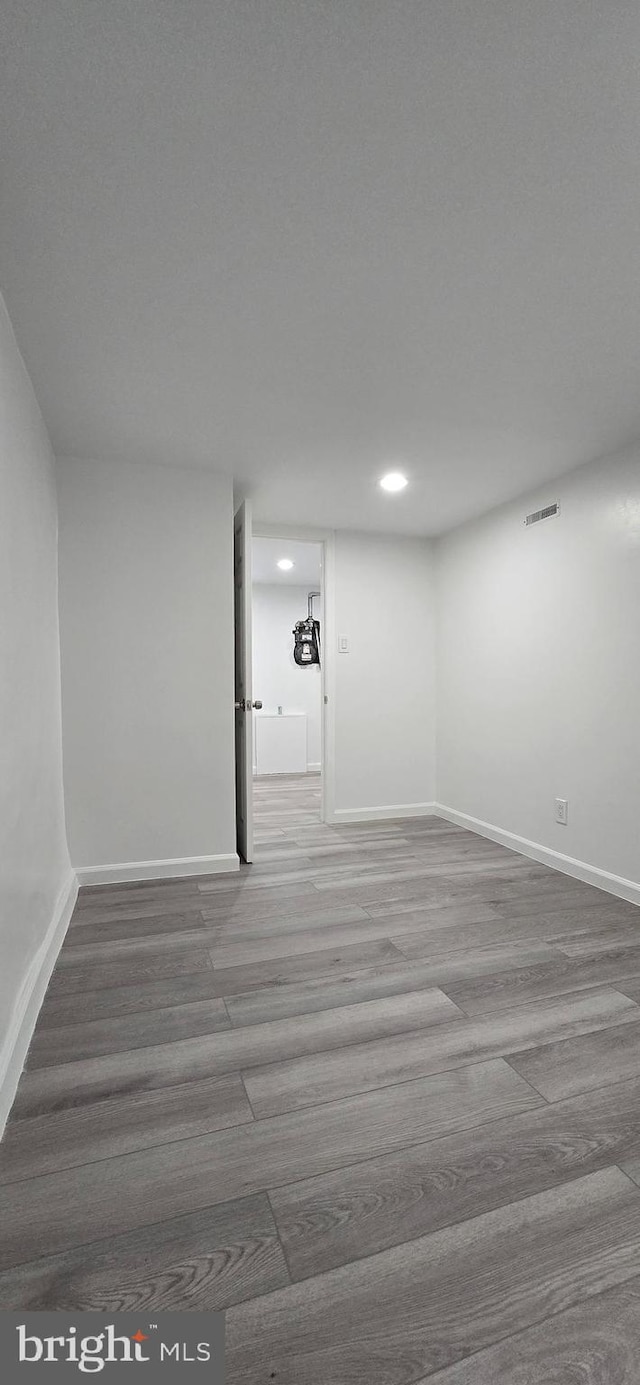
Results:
[306, 637]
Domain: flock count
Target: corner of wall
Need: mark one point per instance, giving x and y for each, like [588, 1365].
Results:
[36, 911]
[29, 1000]
[536, 674]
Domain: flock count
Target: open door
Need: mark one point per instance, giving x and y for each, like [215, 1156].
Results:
[243, 692]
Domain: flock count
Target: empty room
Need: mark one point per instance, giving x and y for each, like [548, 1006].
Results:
[320, 690]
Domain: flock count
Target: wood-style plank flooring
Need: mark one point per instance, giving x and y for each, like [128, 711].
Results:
[378, 1096]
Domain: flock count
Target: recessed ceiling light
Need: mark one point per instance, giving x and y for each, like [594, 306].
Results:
[394, 481]
[285, 564]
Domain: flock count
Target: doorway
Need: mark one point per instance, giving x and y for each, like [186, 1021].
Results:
[287, 637]
[312, 795]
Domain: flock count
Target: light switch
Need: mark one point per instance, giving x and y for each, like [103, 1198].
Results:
[343, 644]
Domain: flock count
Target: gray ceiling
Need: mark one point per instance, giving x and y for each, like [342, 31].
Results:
[300, 242]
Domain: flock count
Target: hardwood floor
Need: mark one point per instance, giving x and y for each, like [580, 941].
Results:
[378, 1096]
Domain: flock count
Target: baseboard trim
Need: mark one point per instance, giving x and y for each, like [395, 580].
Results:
[157, 870]
[568, 865]
[32, 992]
[287, 773]
[314, 768]
[387, 811]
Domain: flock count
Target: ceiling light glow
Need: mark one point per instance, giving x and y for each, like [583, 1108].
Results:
[394, 481]
[285, 564]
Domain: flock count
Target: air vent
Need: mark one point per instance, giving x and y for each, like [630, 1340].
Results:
[548, 513]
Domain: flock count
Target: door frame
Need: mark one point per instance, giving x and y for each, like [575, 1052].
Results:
[325, 538]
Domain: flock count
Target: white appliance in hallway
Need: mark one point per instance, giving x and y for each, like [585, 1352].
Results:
[281, 743]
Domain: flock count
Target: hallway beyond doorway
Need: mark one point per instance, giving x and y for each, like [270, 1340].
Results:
[283, 802]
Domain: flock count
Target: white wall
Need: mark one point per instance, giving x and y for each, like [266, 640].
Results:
[277, 679]
[539, 668]
[146, 617]
[36, 881]
[383, 689]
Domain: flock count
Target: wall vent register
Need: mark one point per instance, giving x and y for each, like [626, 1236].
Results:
[547, 513]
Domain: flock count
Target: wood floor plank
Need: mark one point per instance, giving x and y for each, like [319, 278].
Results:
[323, 993]
[321, 923]
[318, 908]
[80, 1006]
[263, 945]
[419, 1307]
[559, 1070]
[85, 976]
[208, 1260]
[352, 1212]
[136, 889]
[595, 1343]
[137, 909]
[49, 1214]
[210, 1055]
[149, 926]
[548, 883]
[421, 890]
[631, 988]
[163, 894]
[429, 887]
[604, 939]
[36, 1145]
[443, 875]
[280, 972]
[425, 882]
[234, 899]
[138, 949]
[134, 952]
[460, 869]
[265, 877]
[551, 976]
[631, 1166]
[74, 1042]
[284, 928]
[157, 995]
[292, 1083]
[548, 928]
[360, 832]
[328, 851]
[568, 898]
[225, 890]
[433, 914]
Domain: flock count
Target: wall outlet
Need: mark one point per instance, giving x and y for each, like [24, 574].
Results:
[562, 810]
[343, 644]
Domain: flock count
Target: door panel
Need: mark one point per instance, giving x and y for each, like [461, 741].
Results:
[243, 683]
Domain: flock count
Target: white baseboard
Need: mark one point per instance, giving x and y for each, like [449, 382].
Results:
[287, 773]
[580, 870]
[386, 811]
[314, 768]
[157, 870]
[27, 1006]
